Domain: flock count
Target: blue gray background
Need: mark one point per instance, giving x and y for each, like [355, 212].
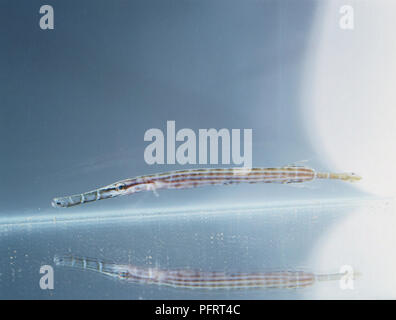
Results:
[76, 101]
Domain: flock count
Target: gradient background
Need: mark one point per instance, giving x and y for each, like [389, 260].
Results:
[75, 104]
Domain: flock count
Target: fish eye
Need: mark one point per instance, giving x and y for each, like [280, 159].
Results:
[120, 186]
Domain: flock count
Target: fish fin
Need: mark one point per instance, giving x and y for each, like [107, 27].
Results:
[303, 185]
[299, 163]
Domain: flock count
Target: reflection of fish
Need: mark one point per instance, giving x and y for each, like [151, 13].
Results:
[201, 177]
[197, 279]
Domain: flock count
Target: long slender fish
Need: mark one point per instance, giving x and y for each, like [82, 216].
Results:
[197, 279]
[192, 178]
